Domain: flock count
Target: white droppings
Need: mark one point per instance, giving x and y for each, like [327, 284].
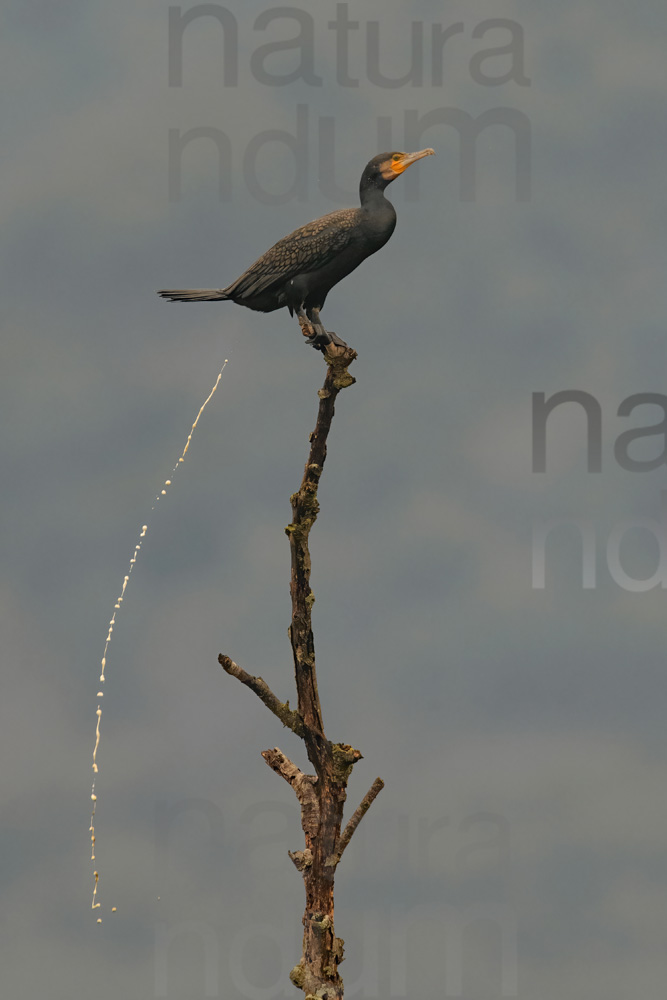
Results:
[119, 601]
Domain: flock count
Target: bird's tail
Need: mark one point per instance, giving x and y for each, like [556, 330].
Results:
[193, 294]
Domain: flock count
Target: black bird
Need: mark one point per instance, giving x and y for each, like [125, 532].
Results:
[299, 270]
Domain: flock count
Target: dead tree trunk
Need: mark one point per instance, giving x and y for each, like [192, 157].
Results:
[321, 795]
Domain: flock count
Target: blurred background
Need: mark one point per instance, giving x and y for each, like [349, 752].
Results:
[518, 848]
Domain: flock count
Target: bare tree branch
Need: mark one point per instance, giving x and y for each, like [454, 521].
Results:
[300, 782]
[305, 508]
[322, 797]
[304, 787]
[355, 820]
[289, 718]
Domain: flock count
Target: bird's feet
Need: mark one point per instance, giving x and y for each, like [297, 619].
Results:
[314, 332]
[321, 338]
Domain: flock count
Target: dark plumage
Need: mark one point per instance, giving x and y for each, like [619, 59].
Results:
[299, 270]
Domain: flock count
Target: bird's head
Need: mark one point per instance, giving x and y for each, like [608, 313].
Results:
[386, 167]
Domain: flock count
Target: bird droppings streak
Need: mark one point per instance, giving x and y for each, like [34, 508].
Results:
[112, 623]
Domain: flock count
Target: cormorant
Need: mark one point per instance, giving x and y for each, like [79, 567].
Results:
[299, 270]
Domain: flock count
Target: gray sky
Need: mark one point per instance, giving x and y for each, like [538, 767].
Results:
[518, 846]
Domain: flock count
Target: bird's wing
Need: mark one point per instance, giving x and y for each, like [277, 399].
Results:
[306, 249]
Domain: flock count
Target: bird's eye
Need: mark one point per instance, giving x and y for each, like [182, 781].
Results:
[396, 157]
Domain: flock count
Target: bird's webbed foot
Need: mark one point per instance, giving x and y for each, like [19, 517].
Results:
[318, 340]
[322, 340]
[318, 337]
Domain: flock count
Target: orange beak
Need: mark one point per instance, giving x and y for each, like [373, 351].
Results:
[400, 165]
